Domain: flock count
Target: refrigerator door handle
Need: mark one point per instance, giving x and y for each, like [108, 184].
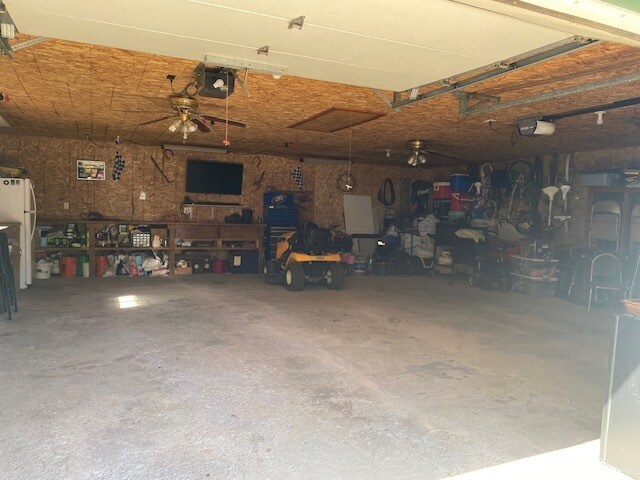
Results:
[34, 210]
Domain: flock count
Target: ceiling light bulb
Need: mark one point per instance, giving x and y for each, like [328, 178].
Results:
[191, 126]
[174, 126]
[218, 83]
[423, 159]
[276, 76]
[600, 119]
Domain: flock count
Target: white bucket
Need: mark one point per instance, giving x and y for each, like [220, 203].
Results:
[85, 270]
[43, 270]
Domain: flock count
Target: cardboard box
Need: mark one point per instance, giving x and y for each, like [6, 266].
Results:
[182, 271]
[161, 232]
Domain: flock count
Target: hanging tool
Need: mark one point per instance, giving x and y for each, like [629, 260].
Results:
[550, 192]
[567, 169]
[161, 170]
[564, 189]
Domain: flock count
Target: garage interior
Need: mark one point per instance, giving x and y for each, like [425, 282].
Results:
[462, 175]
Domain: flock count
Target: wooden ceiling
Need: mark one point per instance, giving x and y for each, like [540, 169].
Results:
[65, 89]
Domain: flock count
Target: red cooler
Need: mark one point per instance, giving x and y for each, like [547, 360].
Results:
[461, 202]
[441, 190]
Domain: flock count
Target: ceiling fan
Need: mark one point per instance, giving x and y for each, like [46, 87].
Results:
[420, 153]
[189, 118]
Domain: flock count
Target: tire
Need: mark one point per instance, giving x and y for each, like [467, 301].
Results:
[335, 276]
[294, 278]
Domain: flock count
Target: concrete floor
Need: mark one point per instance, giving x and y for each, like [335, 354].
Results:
[226, 377]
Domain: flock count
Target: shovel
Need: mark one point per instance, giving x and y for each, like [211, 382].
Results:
[550, 192]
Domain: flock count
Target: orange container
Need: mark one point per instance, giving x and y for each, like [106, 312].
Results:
[101, 265]
[68, 266]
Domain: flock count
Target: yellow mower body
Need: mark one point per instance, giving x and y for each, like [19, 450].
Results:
[295, 268]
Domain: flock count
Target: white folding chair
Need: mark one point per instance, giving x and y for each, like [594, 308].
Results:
[605, 223]
[606, 274]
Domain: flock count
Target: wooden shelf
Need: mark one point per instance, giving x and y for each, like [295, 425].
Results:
[535, 260]
[131, 249]
[62, 249]
[217, 233]
[182, 249]
[536, 279]
[212, 206]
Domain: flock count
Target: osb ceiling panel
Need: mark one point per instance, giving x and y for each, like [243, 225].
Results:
[335, 119]
[65, 89]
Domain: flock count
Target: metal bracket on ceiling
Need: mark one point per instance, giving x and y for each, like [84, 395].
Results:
[297, 22]
[7, 30]
[550, 95]
[242, 82]
[465, 99]
[28, 43]
[382, 97]
[494, 70]
[396, 97]
[7, 49]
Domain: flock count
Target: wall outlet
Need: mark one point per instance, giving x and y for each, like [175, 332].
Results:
[187, 210]
[65, 205]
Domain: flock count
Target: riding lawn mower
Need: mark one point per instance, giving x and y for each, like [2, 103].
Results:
[305, 256]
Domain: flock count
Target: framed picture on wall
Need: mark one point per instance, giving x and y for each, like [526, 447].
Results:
[90, 170]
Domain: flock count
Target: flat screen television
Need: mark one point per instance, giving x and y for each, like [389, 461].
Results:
[214, 177]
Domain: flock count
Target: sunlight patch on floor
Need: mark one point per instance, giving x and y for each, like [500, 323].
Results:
[580, 461]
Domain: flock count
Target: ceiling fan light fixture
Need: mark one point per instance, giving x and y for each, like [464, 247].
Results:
[219, 83]
[174, 126]
[422, 158]
[191, 126]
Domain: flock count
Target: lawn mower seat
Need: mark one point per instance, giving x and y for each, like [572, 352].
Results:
[313, 240]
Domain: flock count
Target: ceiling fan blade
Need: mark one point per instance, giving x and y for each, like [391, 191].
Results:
[201, 125]
[140, 111]
[224, 120]
[432, 152]
[157, 120]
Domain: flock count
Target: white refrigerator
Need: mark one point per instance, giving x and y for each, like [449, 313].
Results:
[18, 204]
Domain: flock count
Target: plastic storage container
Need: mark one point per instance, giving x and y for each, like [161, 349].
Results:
[43, 269]
[102, 262]
[461, 202]
[81, 260]
[244, 262]
[460, 183]
[68, 267]
[219, 266]
[441, 190]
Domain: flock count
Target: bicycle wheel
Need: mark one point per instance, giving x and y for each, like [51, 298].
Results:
[520, 172]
